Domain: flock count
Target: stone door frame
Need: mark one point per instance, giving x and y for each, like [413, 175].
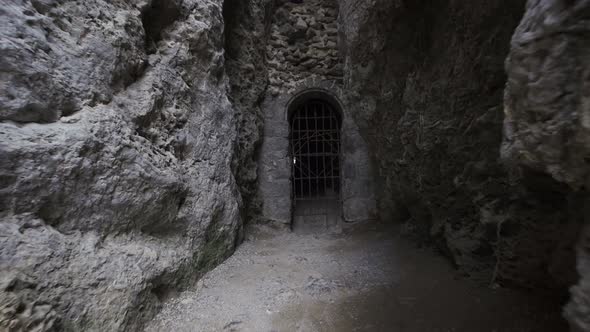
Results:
[274, 173]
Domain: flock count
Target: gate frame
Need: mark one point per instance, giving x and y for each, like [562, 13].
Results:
[293, 104]
[336, 115]
[358, 201]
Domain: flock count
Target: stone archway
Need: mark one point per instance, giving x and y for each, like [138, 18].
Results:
[356, 201]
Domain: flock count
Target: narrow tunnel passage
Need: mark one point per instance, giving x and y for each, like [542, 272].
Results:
[178, 129]
[367, 279]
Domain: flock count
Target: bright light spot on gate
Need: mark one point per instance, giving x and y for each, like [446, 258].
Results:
[294, 161]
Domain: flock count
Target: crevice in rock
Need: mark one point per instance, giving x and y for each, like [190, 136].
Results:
[43, 7]
[175, 228]
[123, 78]
[156, 18]
[50, 213]
[162, 291]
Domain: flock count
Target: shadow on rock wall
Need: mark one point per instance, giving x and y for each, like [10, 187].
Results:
[116, 146]
[428, 80]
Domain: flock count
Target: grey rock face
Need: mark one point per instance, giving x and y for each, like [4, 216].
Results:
[428, 84]
[116, 148]
[547, 107]
[245, 65]
[422, 94]
[129, 131]
[59, 57]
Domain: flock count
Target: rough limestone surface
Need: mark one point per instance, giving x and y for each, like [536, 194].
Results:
[246, 25]
[129, 131]
[547, 124]
[427, 81]
[303, 44]
[116, 145]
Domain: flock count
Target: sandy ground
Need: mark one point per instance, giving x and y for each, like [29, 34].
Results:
[363, 280]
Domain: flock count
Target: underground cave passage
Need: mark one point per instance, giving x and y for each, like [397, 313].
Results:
[295, 165]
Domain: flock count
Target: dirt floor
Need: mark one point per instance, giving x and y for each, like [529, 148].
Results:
[363, 280]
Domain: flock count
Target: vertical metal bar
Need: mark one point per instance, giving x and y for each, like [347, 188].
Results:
[332, 152]
[308, 151]
[298, 153]
[315, 149]
[324, 153]
[316, 144]
[292, 155]
[295, 139]
[337, 157]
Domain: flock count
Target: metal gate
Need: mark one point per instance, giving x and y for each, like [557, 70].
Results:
[315, 152]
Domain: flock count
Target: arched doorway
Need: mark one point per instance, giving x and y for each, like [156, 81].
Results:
[315, 158]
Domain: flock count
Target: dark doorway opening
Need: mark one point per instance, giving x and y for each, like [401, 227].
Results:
[315, 152]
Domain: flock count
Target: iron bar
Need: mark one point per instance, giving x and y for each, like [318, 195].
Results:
[315, 151]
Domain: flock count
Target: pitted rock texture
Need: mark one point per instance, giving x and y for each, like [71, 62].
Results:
[428, 82]
[116, 149]
[246, 25]
[577, 311]
[547, 127]
[129, 130]
[60, 56]
[303, 44]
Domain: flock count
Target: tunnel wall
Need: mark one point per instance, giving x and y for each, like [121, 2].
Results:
[127, 140]
[118, 145]
[427, 83]
[246, 35]
[547, 121]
